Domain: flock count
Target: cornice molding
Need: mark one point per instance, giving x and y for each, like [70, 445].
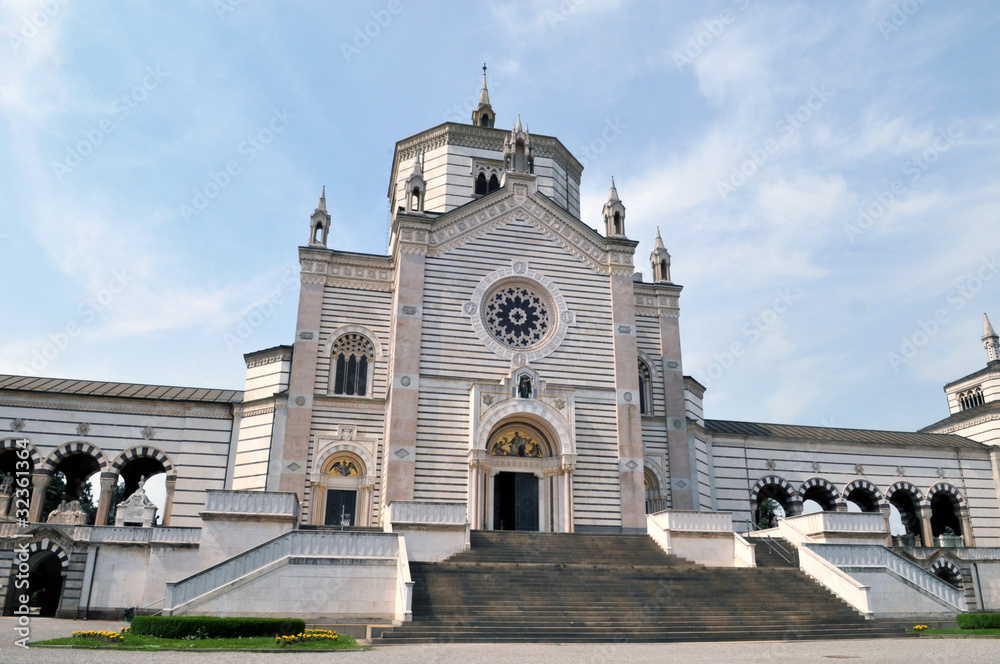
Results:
[842, 448]
[118, 405]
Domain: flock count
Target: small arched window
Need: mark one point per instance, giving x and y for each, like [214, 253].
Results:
[618, 223]
[645, 389]
[481, 184]
[318, 234]
[352, 357]
[415, 199]
[484, 120]
[494, 183]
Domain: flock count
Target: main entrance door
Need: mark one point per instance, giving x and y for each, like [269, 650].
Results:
[340, 503]
[515, 501]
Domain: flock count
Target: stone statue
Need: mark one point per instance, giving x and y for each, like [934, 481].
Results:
[524, 387]
[7, 486]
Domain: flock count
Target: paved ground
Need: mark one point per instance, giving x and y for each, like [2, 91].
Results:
[884, 651]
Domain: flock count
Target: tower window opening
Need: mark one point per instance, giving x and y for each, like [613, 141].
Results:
[352, 355]
[481, 184]
[494, 183]
[971, 398]
[318, 234]
[484, 120]
[663, 270]
[618, 223]
[645, 389]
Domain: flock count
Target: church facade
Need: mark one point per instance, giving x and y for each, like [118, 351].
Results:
[504, 367]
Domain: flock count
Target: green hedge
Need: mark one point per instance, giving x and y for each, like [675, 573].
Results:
[209, 627]
[979, 620]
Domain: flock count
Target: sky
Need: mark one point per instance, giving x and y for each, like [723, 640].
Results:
[824, 175]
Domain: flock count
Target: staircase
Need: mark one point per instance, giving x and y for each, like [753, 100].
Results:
[563, 588]
[775, 552]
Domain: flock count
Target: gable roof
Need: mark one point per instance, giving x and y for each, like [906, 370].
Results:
[95, 388]
[830, 434]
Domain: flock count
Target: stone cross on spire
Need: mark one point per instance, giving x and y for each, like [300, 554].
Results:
[484, 116]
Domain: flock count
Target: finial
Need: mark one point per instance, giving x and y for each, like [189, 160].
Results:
[988, 330]
[517, 127]
[613, 192]
[322, 200]
[659, 240]
[484, 68]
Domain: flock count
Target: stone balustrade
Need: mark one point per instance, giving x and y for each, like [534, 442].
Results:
[843, 555]
[304, 543]
[743, 552]
[694, 521]
[414, 511]
[256, 503]
[840, 522]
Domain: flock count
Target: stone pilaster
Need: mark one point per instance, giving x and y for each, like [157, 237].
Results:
[168, 505]
[40, 480]
[288, 471]
[626, 357]
[108, 483]
[404, 364]
[680, 454]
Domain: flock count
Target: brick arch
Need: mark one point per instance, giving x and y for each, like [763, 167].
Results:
[945, 488]
[822, 483]
[904, 486]
[793, 497]
[144, 452]
[11, 444]
[69, 449]
[46, 544]
[864, 485]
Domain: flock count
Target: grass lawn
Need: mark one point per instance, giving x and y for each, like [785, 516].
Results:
[138, 642]
[963, 632]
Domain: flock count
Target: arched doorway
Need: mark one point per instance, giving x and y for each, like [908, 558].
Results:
[46, 567]
[342, 491]
[862, 496]
[656, 500]
[948, 527]
[516, 451]
[947, 571]
[129, 468]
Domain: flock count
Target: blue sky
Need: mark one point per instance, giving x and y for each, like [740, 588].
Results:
[754, 134]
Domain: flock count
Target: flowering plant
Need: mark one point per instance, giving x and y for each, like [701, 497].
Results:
[307, 636]
[101, 635]
[920, 628]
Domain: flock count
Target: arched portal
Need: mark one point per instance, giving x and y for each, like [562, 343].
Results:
[131, 466]
[342, 491]
[905, 521]
[46, 566]
[862, 496]
[818, 495]
[776, 489]
[947, 571]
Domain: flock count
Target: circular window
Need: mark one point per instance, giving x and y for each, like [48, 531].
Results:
[517, 316]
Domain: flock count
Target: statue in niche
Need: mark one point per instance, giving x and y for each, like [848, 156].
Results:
[524, 387]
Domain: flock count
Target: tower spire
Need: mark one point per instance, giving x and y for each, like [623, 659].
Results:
[614, 213]
[991, 341]
[319, 222]
[484, 116]
[660, 259]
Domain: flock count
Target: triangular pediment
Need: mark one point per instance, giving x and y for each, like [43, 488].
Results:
[517, 201]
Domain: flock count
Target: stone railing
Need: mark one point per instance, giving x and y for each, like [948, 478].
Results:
[413, 511]
[404, 584]
[839, 522]
[306, 543]
[962, 553]
[257, 503]
[657, 532]
[826, 573]
[743, 552]
[843, 555]
[127, 535]
[10, 529]
[692, 521]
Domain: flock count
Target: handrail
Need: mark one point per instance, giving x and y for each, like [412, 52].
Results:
[772, 545]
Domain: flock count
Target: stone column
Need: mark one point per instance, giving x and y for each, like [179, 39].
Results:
[288, 469]
[401, 403]
[108, 483]
[925, 526]
[168, 505]
[626, 358]
[886, 511]
[40, 480]
[567, 481]
[967, 536]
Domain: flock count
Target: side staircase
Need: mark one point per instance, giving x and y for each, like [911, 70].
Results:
[564, 588]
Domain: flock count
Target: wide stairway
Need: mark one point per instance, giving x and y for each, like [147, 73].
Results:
[563, 588]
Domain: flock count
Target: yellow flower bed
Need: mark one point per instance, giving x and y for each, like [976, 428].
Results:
[307, 636]
[920, 628]
[102, 635]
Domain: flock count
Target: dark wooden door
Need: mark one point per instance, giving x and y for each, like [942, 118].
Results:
[340, 502]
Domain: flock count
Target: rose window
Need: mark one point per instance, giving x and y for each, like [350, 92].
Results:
[517, 316]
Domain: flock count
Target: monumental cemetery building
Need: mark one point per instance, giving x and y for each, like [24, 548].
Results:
[503, 368]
